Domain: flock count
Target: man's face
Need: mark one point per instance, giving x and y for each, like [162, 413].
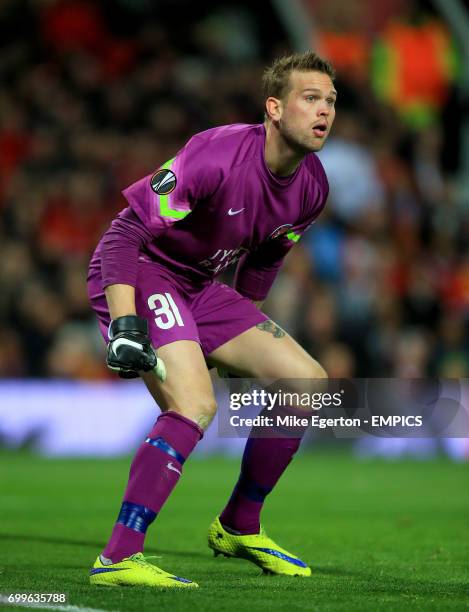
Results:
[308, 111]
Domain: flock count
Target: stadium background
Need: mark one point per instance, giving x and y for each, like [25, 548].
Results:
[97, 94]
[94, 95]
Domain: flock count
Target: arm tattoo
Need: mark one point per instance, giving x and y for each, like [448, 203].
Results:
[271, 328]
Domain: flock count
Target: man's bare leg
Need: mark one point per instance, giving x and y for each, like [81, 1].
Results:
[188, 404]
[264, 352]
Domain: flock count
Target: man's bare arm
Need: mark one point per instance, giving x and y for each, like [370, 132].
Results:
[120, 300]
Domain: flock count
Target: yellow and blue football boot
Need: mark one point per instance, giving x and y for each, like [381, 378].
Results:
[135, 571]
[258, 548]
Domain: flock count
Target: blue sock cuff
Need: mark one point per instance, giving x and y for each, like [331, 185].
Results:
[252, 490]
[135, 517]
[166, 448]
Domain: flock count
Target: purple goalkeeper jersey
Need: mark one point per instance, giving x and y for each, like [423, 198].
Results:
[214, 204]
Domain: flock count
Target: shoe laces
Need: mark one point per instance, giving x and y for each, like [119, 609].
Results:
[143, 560]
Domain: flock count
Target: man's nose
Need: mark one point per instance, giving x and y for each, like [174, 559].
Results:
[323, 109]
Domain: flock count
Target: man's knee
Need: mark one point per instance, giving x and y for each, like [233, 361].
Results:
[206, 405]
[200, 409]
[305, 375]
[318, 372]
[307, 368]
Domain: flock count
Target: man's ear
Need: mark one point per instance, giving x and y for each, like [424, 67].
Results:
[274, 108]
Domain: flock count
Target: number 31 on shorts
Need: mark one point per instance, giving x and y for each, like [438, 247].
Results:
[165, 310]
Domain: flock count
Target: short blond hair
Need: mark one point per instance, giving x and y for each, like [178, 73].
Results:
[276, 78]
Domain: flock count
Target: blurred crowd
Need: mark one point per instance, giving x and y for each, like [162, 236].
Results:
[95, 95]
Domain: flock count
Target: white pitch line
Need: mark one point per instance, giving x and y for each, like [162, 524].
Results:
[45, 606]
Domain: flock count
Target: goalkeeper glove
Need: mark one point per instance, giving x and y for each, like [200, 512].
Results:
[130, 351]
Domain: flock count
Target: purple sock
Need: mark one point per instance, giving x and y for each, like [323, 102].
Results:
[154, 473]
[264, 461]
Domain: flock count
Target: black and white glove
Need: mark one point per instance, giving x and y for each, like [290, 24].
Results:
[130, 351]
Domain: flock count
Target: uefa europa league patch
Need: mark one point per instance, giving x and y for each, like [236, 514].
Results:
[163, 182]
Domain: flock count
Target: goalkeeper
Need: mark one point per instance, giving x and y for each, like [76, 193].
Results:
[237, 193]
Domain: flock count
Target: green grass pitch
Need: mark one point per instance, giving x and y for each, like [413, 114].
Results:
[379, 536]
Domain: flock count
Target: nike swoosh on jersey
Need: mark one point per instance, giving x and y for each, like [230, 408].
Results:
[170, 466]
[232, 212]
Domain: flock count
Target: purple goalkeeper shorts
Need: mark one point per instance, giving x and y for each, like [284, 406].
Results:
[178, 310]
